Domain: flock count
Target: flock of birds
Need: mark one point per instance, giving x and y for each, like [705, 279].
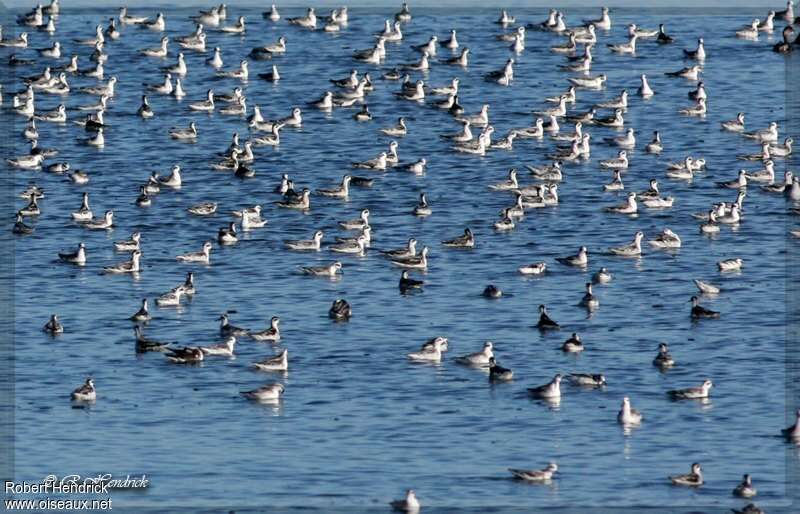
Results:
[577, 43]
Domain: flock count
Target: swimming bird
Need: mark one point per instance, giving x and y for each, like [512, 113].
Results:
[691, 393]
[407, 283]
[131, 266]
[279, 362]
[104, 223]
[340, 310]
[663, 38]
[625, 48]
[85, 393]
[632, 249]
[306, 244]
[77, 257]
[587, 380]
[768, 134]
[573, 344]
[492, 291]
[299, 202]
[699, 312]
[84, 213]
[663, 359]
[339, 192]
[535, 475]
[272, 333]
[706, 287]
[479, 358]
[143, 314]
[498, 373]
[628, 415]
[129, 245]
[356, 247]
[666, 239]
[792, 433]
[549, 391]
[331, 270]
[730, 264]
[227, 235]
[745, 489]
[410, 503]
[467, 240]
[225, 349]
[267, 393]
[785, 46]
[410, 250]
[629, 207]
[422, 208]
[431, 351]
[692, 479]
[417, 167]
[398, 130]
[145, 344]
[579, 259]
[185, 355]
[688, 72]
[413, 262]
[202, 256]
[53, 326]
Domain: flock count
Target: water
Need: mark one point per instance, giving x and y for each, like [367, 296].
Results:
[359, 423]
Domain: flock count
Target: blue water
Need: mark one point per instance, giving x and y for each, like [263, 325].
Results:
[359, 424]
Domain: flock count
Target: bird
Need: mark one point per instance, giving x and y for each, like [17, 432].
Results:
[272, 334]
[77, 257]
[85, 393]
[267, 393]
[580, 259]
[602, 276]
[663, 359]
[340, 310]
[479, 358]
[750, 508]
[628, 415]
[573, 344]
[185, 355]
[587, 380]
[792, 433]
[144, 344]
[331, 270]
[53, 326]
[131, 266]
[691, 393]
[498, 373]
[632, 249]
[730, 264]
[535, 475]
[549, 391]
[279, 362]
[313, 244]
[431, 351]
[225, 349]
[692, 479]
[143, 314]
[410, 503]
[407, 283]
[700, 312]
[545, 323]
[745, 489]
[589, 300]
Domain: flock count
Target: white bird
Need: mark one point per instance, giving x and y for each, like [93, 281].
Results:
[279, 362]
[480, 358]
[632, 249]
[628, 415]
[268, 393]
